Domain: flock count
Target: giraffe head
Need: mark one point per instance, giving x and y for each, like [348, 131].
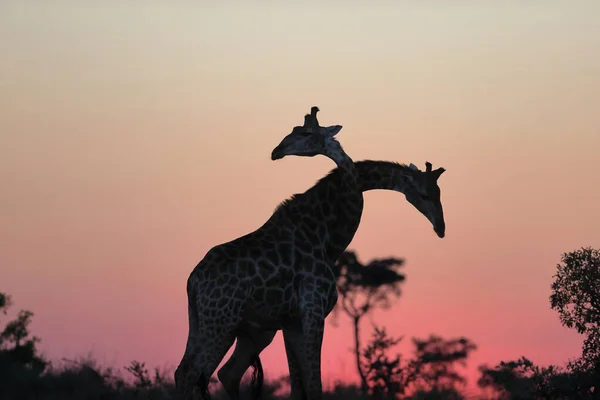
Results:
[423, 192]
[307, 140]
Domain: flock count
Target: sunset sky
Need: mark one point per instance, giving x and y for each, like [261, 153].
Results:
[133, 138]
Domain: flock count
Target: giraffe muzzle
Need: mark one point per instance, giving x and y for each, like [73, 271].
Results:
[440, 230]
[277, 153]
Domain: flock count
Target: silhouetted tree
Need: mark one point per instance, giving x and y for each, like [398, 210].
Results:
[576, 297]
[5, 302]
[363, 288]
[386, 376]
[432, 368]
[16, 331]
[16, 347]
[437, 360]
[522, 379]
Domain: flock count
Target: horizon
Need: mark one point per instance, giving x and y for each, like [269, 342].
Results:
[135, 139]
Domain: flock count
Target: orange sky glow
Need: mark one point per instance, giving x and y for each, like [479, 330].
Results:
[134, 138]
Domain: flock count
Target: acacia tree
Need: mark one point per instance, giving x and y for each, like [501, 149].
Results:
[437, 360]
[576, 297]
[363, 288]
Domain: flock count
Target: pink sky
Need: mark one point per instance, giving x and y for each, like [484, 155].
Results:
[133, 139]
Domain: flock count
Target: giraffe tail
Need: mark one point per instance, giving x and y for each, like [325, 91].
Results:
[258, 378]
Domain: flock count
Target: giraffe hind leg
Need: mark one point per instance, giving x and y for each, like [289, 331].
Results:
[184, 369]
[250, 343]
[196, 369]
[208, 344]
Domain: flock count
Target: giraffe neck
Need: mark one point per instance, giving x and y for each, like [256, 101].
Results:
[346, 203]
[382, 175]
[346, 166]
[333, 207]
[370, 175]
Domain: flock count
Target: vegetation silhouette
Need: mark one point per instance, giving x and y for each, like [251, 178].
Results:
[362, 289]
[576, 297]
[30, 376]
[429, 373]
[432, 369]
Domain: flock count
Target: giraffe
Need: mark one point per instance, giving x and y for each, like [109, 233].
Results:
[421, 190]
[277, 277]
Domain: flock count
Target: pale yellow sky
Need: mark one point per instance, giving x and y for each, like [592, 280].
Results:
[133, 139]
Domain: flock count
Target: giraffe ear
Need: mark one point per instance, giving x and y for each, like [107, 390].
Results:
[331, 131]
[413, 167]
[438, 172]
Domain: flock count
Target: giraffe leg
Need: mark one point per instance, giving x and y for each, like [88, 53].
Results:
[250, 343]
[194, 372]
[185, 365]
[313, 329]
[211, 347]
[208, 344]
[293, 340]
[309, 355]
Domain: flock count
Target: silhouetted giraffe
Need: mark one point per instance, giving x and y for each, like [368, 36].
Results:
[277, 277]
[421, 190]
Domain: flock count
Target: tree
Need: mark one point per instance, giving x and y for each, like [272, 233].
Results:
[385, 375]
[23, 351]
[576, 297]
[523, 380]
[5, 302]
[432, 369]
[17, 331]
[437, 360]
[363, 288]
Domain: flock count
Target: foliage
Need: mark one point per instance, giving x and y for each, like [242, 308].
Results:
[431, 369]
[84, 379]
[26, 375]
[437, 360]
[5, 302]
[363, 288]
[522, 379]
[576, 297]
[16, 347]
[386, 376]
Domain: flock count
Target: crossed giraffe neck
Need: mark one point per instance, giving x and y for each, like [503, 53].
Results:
[371, 175]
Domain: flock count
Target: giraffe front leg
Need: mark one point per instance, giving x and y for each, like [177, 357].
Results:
[313, 327]
[292, 340]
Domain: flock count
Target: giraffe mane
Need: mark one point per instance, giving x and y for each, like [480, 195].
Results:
[370, 163]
